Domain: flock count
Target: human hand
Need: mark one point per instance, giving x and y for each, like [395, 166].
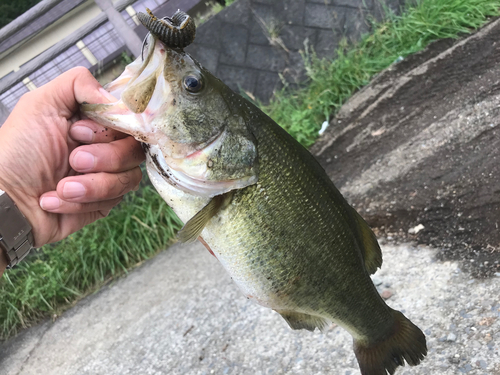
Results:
[59, 184]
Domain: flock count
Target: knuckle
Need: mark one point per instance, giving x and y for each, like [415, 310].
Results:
[137, 177]
[125, 182]
[115, 161]
[79, 70]
[26, 98]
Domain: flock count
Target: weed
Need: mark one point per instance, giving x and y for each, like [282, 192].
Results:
[213, 7]
[58, 275]
[331, 82]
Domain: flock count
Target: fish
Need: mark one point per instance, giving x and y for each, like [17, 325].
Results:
[257, 200]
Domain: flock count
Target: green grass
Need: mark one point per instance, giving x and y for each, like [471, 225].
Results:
[301, 112]
[213, 8]
[59, 275]
[56, 276]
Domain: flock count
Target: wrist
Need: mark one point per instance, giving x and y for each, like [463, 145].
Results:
[16, 234]
[3, 261]
[22, 205]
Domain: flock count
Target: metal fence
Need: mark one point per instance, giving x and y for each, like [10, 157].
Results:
[91, 51]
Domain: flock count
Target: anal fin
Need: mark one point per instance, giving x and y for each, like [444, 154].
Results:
[297, 320]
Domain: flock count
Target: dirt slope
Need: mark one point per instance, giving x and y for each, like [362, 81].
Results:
[421, 145]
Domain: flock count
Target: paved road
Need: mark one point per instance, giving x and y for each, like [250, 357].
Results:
[180, 314]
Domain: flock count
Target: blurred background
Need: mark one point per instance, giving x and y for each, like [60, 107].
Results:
[254, 46]
[57, 35]
[408, 96]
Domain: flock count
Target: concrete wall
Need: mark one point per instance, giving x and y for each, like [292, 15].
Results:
[252, 42]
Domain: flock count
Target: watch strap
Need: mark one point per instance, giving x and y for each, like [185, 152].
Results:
[16, 237]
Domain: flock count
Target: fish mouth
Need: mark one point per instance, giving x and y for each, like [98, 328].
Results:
[139, 93]
[189, 184]
[197, 159]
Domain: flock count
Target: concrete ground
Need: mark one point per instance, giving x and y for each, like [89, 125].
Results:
[179, 313]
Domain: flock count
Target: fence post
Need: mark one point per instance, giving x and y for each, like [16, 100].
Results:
[132, 41]
[4, 113]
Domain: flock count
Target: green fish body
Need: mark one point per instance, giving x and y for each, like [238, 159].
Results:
[260, 203]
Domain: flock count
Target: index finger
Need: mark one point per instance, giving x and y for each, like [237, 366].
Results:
[89, 131]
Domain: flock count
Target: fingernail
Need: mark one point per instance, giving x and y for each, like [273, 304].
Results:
[136, 188]
[106, 94]
[82, 134]
[49, 203]
[73, 190]
[83, 161]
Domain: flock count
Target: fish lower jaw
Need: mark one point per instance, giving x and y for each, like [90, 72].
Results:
[188, 184]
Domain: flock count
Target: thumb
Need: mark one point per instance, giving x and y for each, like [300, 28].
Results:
[70, 89]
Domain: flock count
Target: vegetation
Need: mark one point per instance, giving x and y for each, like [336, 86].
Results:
[58, 275]
[213, 7]
[10, 10]
[331, 82]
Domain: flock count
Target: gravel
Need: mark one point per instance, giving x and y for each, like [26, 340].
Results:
[180, 314]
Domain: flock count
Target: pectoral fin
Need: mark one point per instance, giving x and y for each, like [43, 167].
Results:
[369, 244]
[193, 228]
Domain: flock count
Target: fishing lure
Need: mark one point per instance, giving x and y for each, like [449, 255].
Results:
[176, 32]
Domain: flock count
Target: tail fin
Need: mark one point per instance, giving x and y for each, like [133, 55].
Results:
[406, 343]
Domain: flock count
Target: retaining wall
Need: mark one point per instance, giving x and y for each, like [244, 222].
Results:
[252, 42]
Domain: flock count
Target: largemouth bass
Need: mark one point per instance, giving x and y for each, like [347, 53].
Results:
[256, 199]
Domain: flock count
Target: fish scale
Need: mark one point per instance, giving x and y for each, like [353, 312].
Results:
[287, 249]
[259, 202]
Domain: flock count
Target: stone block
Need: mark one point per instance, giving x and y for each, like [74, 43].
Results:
[322, 16]
[258, 34]
[293, 36]
[267, 2]
[238, 78]
[381, 7]
[363, 4]
[238, 13]
[266, 15]
[208, 57]
[266, 58]
[295, 71]
[234, 41]
[209, 33]
[355, 24]
[367, 4]
[265, 20]
[293, 11]
[327, 43]
[267, 83]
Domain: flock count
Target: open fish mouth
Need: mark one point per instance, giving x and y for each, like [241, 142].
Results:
[168, 100]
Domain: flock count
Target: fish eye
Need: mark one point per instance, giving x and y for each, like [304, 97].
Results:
[192, 83]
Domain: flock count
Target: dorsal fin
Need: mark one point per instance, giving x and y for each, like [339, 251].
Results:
[193, 228]
[369, 244]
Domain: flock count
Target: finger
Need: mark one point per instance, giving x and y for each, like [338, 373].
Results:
[89, 131]
[117, 156]
[70, 223]
[93, 187]
[51, 202]
[72, 88]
